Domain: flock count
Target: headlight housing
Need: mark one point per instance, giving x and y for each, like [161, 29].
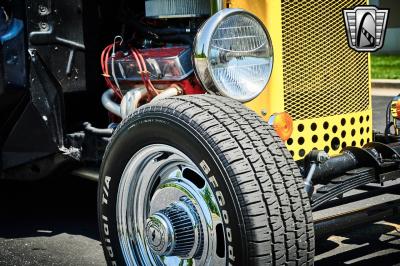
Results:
[233, 55]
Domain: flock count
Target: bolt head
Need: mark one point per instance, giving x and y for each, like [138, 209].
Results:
[264, 112]
[322, 157]
[43, 10]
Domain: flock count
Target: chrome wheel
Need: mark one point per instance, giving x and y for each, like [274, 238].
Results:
[167, 213]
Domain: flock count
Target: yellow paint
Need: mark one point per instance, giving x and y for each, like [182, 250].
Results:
[356, 131]
[272, 99]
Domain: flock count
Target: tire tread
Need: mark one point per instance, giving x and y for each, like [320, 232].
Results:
[267, 182]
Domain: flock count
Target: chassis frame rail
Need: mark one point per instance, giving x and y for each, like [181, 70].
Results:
[374, 163]
[330, 225]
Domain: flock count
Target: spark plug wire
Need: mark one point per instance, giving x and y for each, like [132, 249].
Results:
[113, 61]
[105, 56]
[144, 73]
[110, 52]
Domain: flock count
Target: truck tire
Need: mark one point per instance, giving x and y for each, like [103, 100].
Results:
[201, 178]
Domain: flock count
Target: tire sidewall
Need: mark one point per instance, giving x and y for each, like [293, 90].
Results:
[148, 128]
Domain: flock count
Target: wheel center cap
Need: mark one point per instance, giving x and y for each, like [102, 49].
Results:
[159, 234]
[174, 231]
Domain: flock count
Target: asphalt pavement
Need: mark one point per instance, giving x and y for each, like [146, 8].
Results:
[50, 222]
[53, 222]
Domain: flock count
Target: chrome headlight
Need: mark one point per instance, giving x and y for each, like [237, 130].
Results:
[233, 55]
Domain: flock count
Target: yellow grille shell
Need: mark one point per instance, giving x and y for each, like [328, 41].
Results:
[330, 134]
[316, 76]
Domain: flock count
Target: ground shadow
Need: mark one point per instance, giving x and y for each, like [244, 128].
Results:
[377, 244]
[49, 207]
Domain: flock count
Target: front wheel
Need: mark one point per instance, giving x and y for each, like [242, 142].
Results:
[201, 180]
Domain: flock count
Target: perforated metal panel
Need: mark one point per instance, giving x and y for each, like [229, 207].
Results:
[331, 134]
[326, 84]
[322, 75]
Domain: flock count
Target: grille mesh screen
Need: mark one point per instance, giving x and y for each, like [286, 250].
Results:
[322, 75]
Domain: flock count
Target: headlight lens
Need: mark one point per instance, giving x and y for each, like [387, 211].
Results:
[234, 55]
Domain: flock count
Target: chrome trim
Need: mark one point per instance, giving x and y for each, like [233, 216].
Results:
[174, 90]
[155, 178]
[130, 101]
[109, 104]
[202, 47]
[160, 234]
[175, 230]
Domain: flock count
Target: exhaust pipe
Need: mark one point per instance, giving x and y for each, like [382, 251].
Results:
[170, 92]
[131, 100]
[109, 104]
